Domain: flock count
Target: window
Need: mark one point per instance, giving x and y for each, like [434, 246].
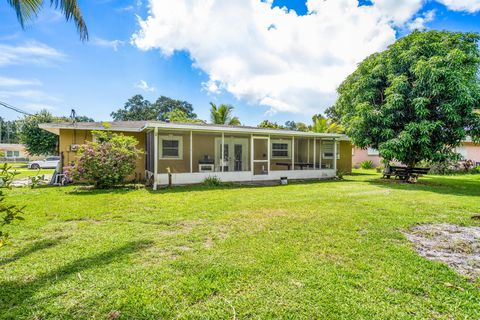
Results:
[327, 150]
[13, 154]
[462, 151]
[171, 147]
[281, 149]
[372, 152]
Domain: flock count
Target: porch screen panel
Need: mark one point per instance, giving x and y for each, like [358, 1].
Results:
[149, 157]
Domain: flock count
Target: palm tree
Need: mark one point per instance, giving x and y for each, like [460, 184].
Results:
[222, 114]
[27, 10]
[324, 125]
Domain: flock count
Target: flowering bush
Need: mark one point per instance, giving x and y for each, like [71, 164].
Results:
[106, 162]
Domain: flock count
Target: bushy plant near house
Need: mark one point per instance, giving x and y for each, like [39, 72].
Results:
[367, 164]
[212, 181]
[106, 162]
[8, 213]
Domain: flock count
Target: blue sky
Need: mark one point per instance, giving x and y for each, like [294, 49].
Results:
[281, 74]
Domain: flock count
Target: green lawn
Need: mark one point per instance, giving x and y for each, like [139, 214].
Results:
[330, 250]
[24, 173]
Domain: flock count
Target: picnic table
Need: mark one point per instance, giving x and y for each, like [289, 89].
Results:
[404, 173]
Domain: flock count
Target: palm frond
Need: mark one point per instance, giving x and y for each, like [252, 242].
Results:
[26, 10]
[71, 10]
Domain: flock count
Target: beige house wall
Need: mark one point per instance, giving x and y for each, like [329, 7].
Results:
[69, 137]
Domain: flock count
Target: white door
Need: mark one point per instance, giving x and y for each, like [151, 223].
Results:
[235, 154]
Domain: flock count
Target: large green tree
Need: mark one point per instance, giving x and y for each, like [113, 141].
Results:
[223, 114]
[36, 140]
[138, 108]
[416, 100]
[27, 10]
[8, 131]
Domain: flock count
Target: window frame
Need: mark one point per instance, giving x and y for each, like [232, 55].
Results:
[372, 152]
[170, 138]
[280, 141]
[330, 157]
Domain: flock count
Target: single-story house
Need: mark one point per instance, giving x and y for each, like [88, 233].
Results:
[468, 150]
[192, 152]
[13, 151]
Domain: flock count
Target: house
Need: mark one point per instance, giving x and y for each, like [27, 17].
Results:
[468, 150]
[193, 152]
[13, 152]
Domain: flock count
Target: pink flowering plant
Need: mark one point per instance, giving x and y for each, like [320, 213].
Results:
[105, 162]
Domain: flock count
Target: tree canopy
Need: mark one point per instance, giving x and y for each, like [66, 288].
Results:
[416, 100]
[223, 114]
[138, 108]
[36, 140]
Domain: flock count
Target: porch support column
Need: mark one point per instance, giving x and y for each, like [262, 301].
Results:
[155, 158]
[251, 153]
[314, 153]
[191, 150]
[268, 154]
[222, 152]
[335, 155]
[308, 149]
[293, 153]
[320, 155]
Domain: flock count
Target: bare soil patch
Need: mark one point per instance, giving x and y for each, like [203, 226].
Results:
[457, 246]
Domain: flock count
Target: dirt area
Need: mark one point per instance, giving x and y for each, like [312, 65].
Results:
[457, 246]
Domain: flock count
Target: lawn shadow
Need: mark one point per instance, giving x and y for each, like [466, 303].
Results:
[90, 190]
[87, 190]
[456, 186]
[34, 247]
[235, 185]
[21, 293]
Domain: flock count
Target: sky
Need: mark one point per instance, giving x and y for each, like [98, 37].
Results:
[274, 60]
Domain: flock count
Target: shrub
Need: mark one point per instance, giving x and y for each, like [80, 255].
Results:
[8, 213]
[367, 164]
[212, 181]
[106, 162]
[379, 169]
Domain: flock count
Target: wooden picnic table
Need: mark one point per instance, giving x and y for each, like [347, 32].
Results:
[404, 173]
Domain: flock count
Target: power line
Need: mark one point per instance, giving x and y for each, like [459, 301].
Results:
[8, 106]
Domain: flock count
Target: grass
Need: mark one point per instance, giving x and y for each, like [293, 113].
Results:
[25, 173]
[331, 250]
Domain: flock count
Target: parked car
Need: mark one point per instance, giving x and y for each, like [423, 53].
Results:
[47, 163]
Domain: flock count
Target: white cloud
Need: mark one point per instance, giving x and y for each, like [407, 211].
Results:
[28, 53]
[470, 6]
[112, 44]
[28, 95]
[419, 22]
[144, 86]
[14, 82]
[272, 56]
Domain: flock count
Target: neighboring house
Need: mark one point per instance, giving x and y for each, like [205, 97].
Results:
[468, 150]
[193, 152]
[13, 151]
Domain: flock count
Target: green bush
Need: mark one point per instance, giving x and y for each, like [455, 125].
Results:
[212, 181]
[367, 164]
[8, 213]
[379, 169]
[107, 162]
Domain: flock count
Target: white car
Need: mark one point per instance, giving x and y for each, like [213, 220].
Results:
[47, 163]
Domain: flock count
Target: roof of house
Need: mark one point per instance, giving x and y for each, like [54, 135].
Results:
[139, 126]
